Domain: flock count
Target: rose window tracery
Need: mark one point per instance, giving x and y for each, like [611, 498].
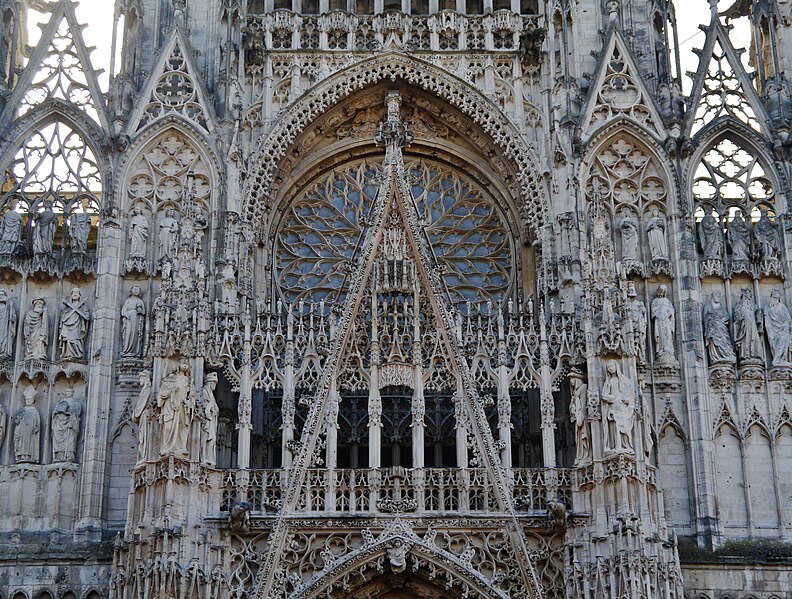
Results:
[324, 227]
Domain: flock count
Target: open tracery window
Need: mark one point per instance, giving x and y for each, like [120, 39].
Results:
[324, 226]
[50, 197]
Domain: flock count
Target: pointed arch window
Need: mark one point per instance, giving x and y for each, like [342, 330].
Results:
[324, 227]
[54, 170]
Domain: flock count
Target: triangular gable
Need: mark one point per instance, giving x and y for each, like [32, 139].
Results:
[721, 87]
[174, 88]
[618, 91]
[60, 68]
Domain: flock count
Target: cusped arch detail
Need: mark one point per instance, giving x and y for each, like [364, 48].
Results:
[260, 190]
[369, 556]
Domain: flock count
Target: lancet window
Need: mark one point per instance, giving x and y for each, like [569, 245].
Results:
[51, 197]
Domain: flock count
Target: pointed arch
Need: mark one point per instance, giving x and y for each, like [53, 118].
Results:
[261, 185]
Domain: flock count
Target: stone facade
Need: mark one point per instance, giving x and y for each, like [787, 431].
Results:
[377, 299]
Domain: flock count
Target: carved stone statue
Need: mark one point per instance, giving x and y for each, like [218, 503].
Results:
[767, 236]
[228, 288]
[176, 401]
[629, 236]
[142, 412]
[716, 331]
[778, 324]
[168, 235]
[66, 428]
[27, 430]
[656, 236]
[740, 239]
[577, 415]
[638, 315]
[210, 415]
[2, 424]
[619, 398]
[397, 556]
[8, 322]
[664, 327]
[10, 232]
[80, 229]
[711, 237]
[133, 318]
[35, 329]
[746, 325]
[73, 326]
[46, 222]
[138, 234]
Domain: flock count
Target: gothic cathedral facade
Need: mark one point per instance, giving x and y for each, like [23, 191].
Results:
[395, 298]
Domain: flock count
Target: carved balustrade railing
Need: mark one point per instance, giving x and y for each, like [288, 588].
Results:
[395, 490]
[343, 31]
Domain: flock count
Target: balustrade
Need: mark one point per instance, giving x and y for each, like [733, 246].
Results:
[396, 490]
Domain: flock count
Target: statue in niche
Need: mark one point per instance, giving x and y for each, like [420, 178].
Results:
[228, 287]
[638, 315]
[80, 229]
[168, 235]
[10, 232]
[44, 231]
[27, 429]
[138, 234]
[73, 326]
[35, 329]
[740, 239]
[778, 324]
[664, 327]
[176, 401]
[629, 236]
[133, 318]
[210, 415]
[3, 420]
[767, 236]
[66, 428]
[8, 322]
[746, 325]
[142, 413]
[656, 236]
[397, 556]
[711, 237]
[619, 397]
[716, 331]
[577, 414]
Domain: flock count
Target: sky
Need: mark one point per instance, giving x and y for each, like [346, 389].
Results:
[98, 15]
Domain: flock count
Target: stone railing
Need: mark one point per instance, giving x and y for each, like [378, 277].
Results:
[339, 30]
[396, 490]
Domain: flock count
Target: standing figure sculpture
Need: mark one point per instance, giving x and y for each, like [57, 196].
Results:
[629, 236]
[27, 430]
[73, 326]
[35, 329]
[133, 318]
[66, 428]
[141, 414]
[656, 235]
[740, 239]
[767, 236]
[639, 320]
[138, 234]
[168, 235]
[577, 415]
[664, 327]
[80, 229]
[8, 322]
[10, 232]
[176, 401]
[716, 331]
[209, 424]
[619, 396]
[711, 237]
[46, 222]
[746, 325]
[778, 324]
[2, 424]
